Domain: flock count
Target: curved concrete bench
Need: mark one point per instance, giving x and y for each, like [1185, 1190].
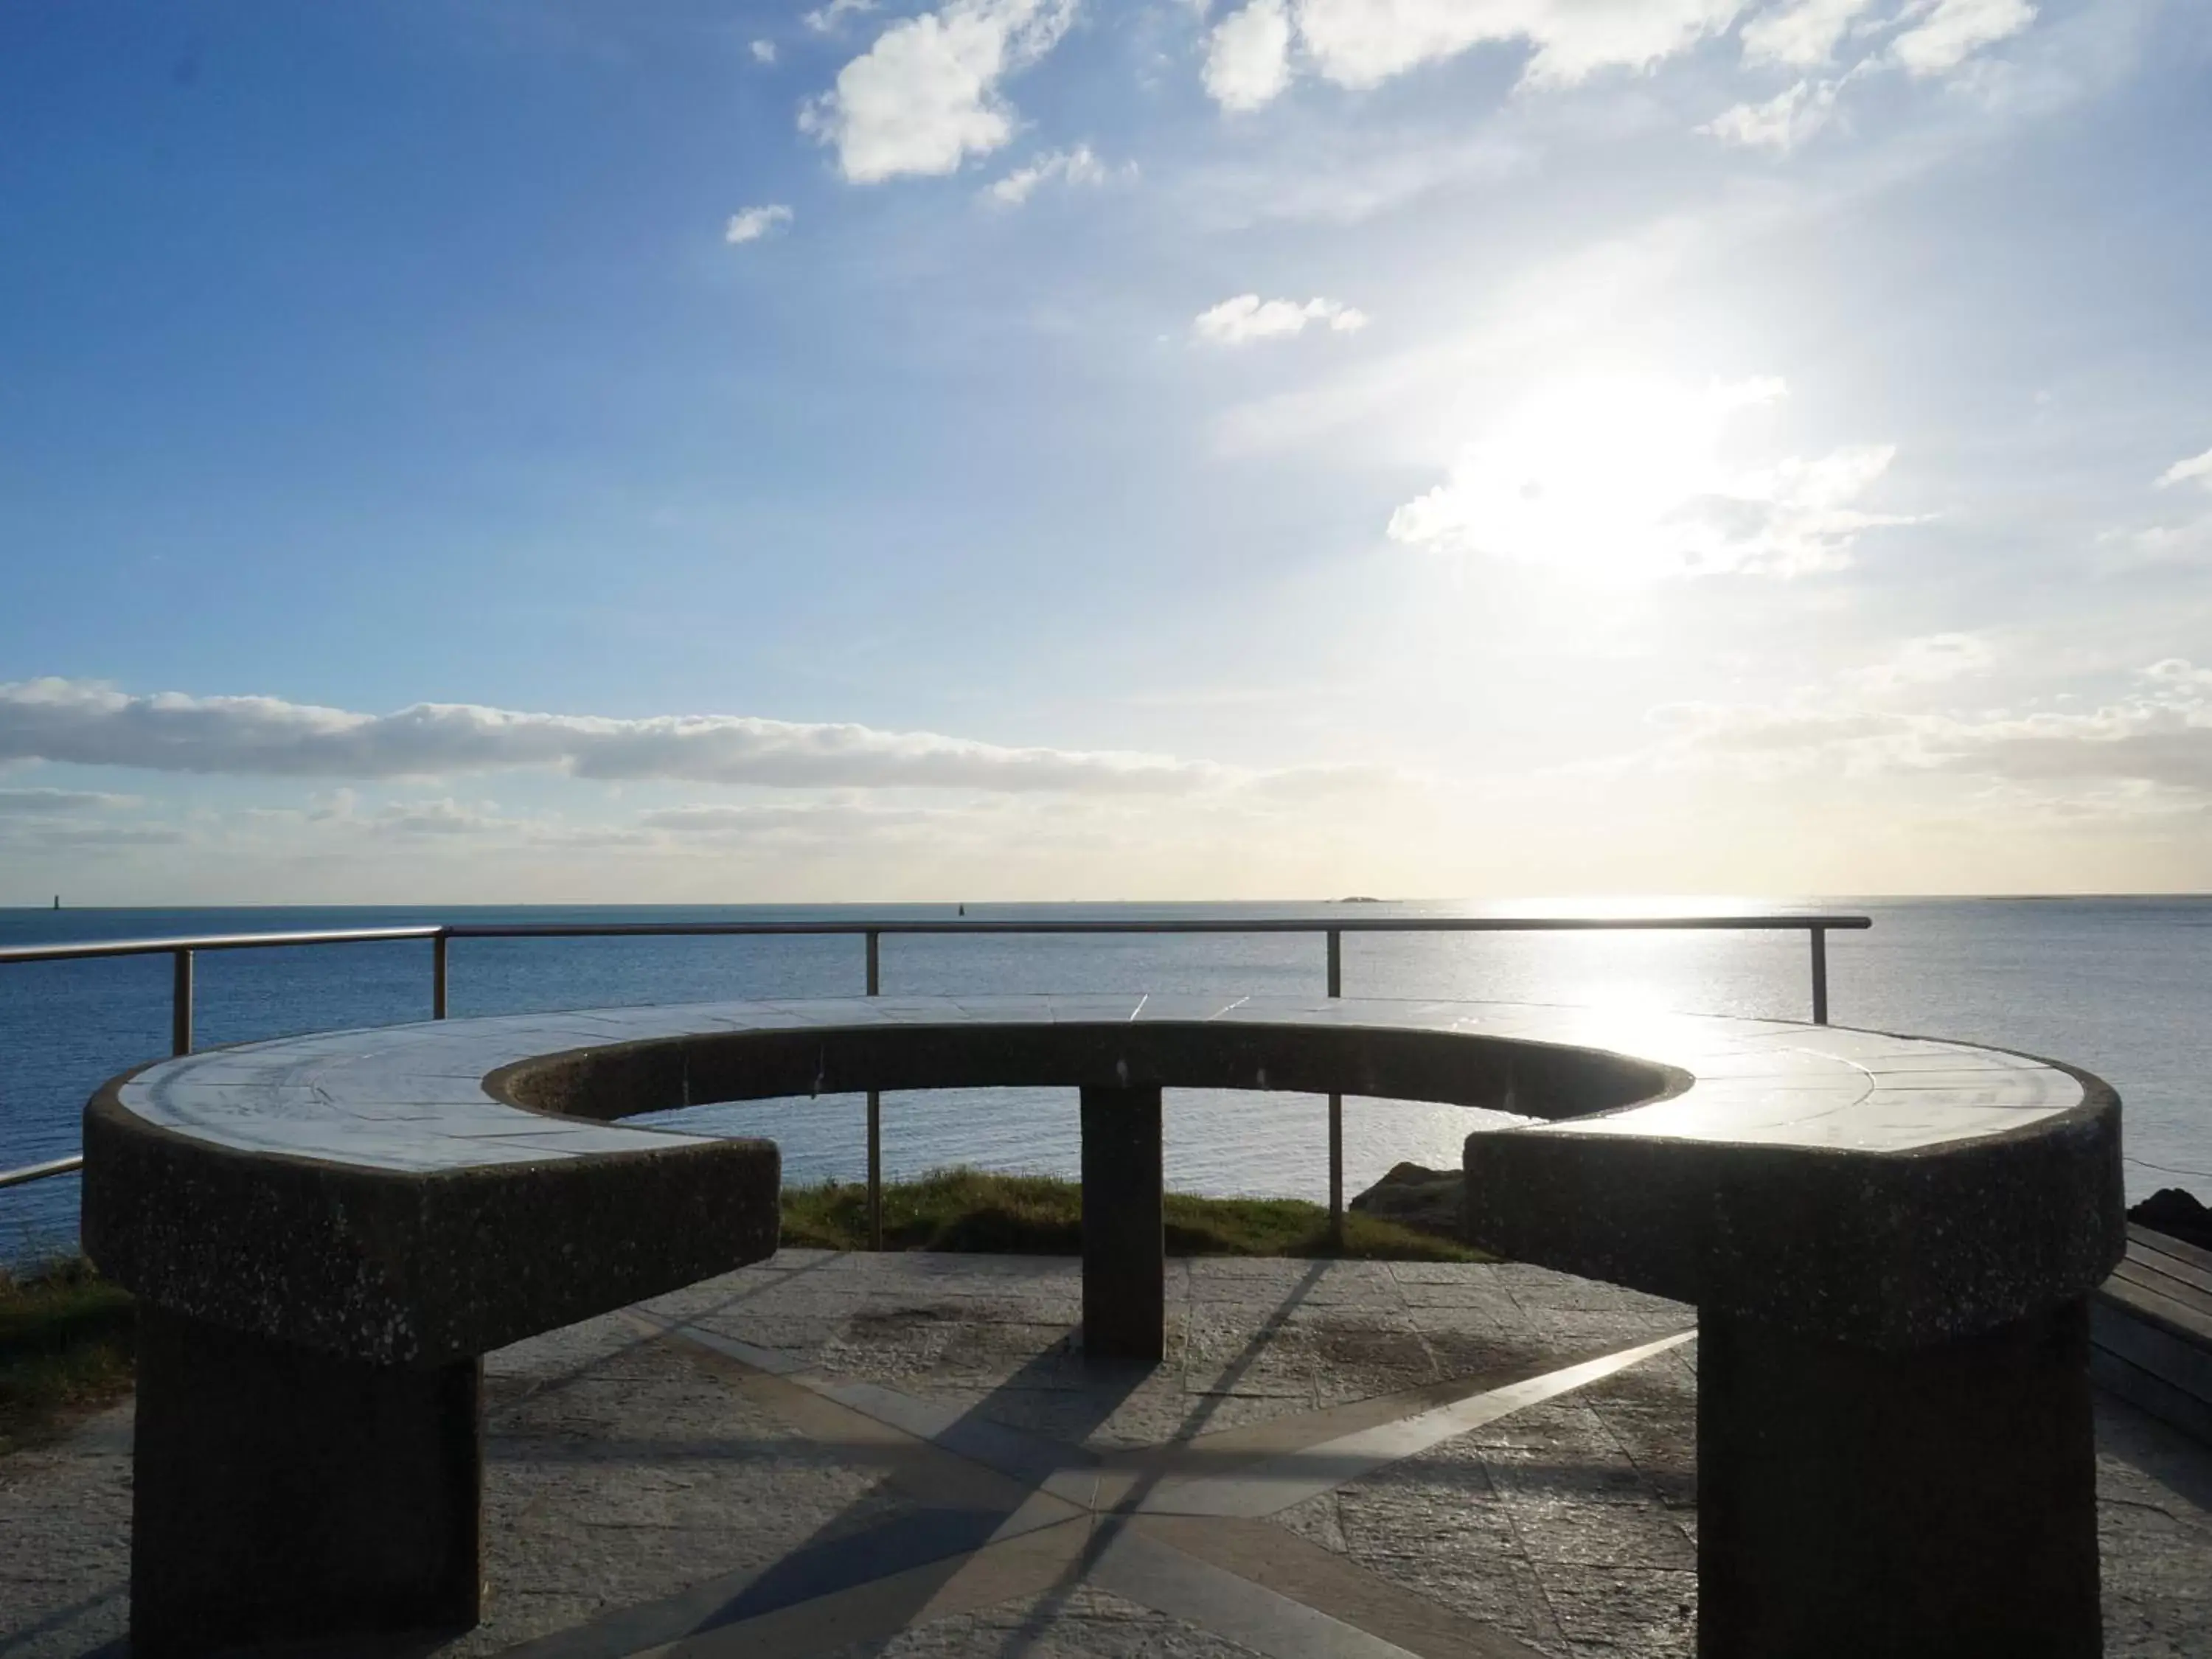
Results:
[1889, 1242]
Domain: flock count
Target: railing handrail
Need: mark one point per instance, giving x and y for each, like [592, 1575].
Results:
[184, 948]
[53, 1166]
[66, 951]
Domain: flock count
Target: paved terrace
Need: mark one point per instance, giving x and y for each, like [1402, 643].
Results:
[908, 1455]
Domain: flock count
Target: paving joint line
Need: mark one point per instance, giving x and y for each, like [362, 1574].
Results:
[1066, 1484]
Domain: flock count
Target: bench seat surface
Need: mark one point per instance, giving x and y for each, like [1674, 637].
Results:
[412, 1099]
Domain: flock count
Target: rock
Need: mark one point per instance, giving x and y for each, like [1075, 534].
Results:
[1427, 1200]
[2169, 1210]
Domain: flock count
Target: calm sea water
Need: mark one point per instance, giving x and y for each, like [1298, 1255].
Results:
[2118, 985]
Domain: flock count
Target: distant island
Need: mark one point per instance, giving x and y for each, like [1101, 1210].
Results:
[1357, 898]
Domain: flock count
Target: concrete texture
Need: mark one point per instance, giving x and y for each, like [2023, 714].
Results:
[1124, 1225]
[911, 1456]
[414, 1267]
[326, 1190]
[1931, 1503]
[279, 1493]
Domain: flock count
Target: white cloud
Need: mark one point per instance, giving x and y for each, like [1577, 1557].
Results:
[1343, 174]
[1623, 481]
[811, 821]
[1929, 660]
[2189, 543]
[1406, 405]
[83, 723]
[2146, 750]
[843, 843]
[1080, 165]
[47, 803]
[2160, 735]
[1797, 734]
[754, 222]
[2147, 547]
[62, 834]
[925, 97]
[1248, 59]
[826, 20]
[437, 818]
[1782, 123]
[763, 52]
[2197, 469]
[1954, 30]
[1248, 317]
[1364, 43]
[718, 818]
[1800, 35]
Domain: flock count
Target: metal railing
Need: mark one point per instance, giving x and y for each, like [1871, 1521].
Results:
[184, 950]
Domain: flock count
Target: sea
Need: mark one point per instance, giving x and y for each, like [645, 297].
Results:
[2121, 986]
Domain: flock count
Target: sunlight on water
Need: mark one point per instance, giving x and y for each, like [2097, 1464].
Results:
[1655, 995]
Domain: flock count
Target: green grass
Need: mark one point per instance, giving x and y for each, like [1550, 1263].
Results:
[66, 1347]
[65, 1332]
[1036, 1215]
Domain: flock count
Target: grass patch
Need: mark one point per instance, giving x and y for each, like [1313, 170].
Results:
[65, 1348]
[66, 1333]
[1038, 1215]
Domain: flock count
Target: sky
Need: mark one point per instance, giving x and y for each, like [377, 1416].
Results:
[532, 451]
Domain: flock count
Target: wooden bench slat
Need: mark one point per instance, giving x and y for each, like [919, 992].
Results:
[2180, 1251]
[2137, 1271]
[2148, 1392]
[2186, 1323]
[2182, 1365]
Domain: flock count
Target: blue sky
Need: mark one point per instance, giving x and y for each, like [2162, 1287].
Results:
[1036, 448]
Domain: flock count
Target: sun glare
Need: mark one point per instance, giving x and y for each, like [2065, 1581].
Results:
[1619, 480]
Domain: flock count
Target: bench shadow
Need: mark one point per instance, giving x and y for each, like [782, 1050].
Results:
[25, 1635]
[855, 1547]
[910, 1555]
[1054, 1602]
[2156, 1450]
[511, 1399]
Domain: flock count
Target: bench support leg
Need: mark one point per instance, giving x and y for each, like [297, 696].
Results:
[1124, 1246]
[280, 1493]
[1940, 1501]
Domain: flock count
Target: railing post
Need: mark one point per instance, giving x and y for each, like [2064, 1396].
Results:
[1336, 1107]
[875, 1112]
[180, 1004]
[438, 976]
[1820, 975]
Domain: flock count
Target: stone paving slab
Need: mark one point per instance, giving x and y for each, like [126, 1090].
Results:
[909, 1455]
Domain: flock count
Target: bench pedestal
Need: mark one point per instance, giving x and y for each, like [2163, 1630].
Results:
[1939, 1501]
[1124, 1240]
[282, 1494]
